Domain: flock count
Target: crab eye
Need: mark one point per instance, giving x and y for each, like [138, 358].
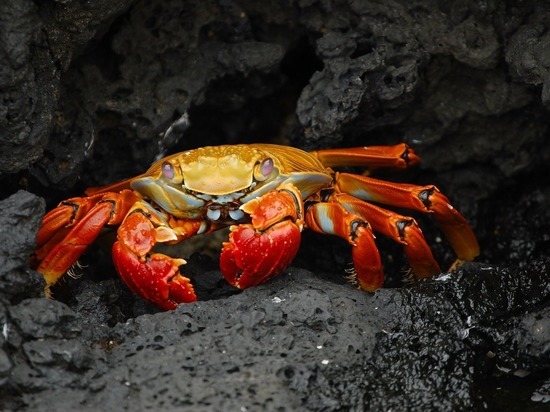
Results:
[264, 169]
[168, 170]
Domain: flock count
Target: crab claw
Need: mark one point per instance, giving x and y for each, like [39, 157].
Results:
[251, 257]
[258, 251]
[157, 279]
[155, 276]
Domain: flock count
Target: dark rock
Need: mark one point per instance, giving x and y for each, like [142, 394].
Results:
[27, 86]
[303, 341]
[44, 318]
[5, 367]
[428, 329]
[38, 44]
[20, 217]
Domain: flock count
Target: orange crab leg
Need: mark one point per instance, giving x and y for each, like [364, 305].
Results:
[65, 215]
[399, 156]
[70, 228]
[427, 199]
[334, 219]
[401, 229]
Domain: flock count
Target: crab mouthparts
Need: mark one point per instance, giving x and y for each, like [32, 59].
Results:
[225, 213]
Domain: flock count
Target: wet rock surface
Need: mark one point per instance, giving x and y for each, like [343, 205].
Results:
[88, 91]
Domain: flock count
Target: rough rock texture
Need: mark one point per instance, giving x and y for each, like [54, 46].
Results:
[93, 91]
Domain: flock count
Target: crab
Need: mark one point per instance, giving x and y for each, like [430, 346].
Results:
[267, 194]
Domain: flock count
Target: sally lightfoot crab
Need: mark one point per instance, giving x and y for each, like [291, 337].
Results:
[267, 194]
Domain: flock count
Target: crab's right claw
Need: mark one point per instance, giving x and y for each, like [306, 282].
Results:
[153, 276]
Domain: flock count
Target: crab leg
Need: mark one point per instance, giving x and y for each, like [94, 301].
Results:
[401, 229]
[154, 276]
[334, 219]
[399, 156]
[427, 199]
[70, 228]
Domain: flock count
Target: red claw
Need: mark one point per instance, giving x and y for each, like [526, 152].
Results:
[153, 276]
[256, 252]
[251, 257]
[156, 279]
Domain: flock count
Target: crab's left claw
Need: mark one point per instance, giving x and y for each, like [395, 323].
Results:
[262, 249]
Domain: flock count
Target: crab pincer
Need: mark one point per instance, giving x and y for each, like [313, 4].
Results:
[152, 275]
[259, 250]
